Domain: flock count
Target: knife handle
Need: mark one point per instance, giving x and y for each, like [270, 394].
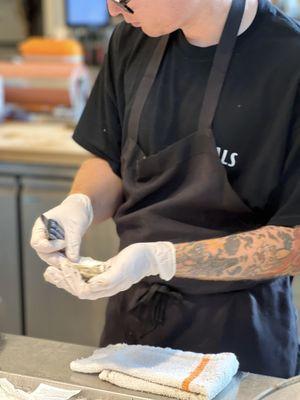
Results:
[54, 230]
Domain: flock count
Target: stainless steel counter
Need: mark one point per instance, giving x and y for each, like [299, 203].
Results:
[26, 362]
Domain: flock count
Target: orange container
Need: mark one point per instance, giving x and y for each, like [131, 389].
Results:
[47, 49]
[42, 85]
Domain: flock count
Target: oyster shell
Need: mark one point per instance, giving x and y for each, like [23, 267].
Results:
[88, 267]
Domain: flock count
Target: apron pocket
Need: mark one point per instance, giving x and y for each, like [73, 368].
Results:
[150, 306]
[192, 145]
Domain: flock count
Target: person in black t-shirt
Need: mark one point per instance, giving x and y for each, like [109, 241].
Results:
[194, 124]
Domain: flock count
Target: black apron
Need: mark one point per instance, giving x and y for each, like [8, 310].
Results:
[254, 319]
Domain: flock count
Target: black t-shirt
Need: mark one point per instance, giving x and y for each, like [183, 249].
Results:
[257, 125]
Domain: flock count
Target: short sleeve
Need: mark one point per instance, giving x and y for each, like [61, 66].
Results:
[99, 129]
[286, 197]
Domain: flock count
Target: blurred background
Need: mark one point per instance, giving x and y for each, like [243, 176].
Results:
[50, 54]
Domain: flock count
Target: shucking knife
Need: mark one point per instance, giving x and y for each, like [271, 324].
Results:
[91, 268]
[54, 230]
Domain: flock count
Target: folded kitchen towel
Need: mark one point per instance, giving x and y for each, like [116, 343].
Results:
[164, 371]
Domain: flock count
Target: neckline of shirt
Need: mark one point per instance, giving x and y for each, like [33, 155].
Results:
[206, 53]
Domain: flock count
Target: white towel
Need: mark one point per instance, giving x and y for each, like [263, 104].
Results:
[42, 392]
[174, 373]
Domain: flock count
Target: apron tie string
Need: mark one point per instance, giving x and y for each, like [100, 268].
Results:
[151, 306]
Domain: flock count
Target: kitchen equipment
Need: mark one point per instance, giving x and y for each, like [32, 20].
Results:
[46, 86]
[92, 15]
[44, 49]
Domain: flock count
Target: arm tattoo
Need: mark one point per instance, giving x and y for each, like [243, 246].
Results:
[264, 253]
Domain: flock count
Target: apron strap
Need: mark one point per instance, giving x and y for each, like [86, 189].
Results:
[145, 87]
[220, 65]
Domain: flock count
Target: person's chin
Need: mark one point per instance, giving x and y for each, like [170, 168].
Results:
[135, 24]
[153, 33]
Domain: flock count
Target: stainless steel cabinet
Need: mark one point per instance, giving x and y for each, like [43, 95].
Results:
[50, 312]
[10, 272]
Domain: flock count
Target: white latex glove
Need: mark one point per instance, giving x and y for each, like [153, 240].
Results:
[74, 214]
[132, 264]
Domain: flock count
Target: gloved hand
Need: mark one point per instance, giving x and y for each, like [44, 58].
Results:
[74, 214]
[132, 264]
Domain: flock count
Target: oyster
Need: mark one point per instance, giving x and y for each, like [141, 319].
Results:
[89, 267]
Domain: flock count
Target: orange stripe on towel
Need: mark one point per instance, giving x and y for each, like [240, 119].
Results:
[193, 375]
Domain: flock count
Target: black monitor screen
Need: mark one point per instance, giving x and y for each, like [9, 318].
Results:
[86, 13]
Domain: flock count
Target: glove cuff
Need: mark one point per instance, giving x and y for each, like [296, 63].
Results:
[165, 254]
[85, 201]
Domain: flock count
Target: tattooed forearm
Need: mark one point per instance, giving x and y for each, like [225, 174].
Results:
[265, 253]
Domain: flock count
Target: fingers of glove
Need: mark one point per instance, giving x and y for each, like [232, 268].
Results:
[111, 282]
[87, 295]
[112, 276]
[39, 235]
[39, 239]
[73, 280]
[64, 278]
[48, 247]
[83, 290]
[39, 231]
[74, 284]
[73, 241]
[56, 259]
[118, 275]
[55, 276]
[98, 292]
